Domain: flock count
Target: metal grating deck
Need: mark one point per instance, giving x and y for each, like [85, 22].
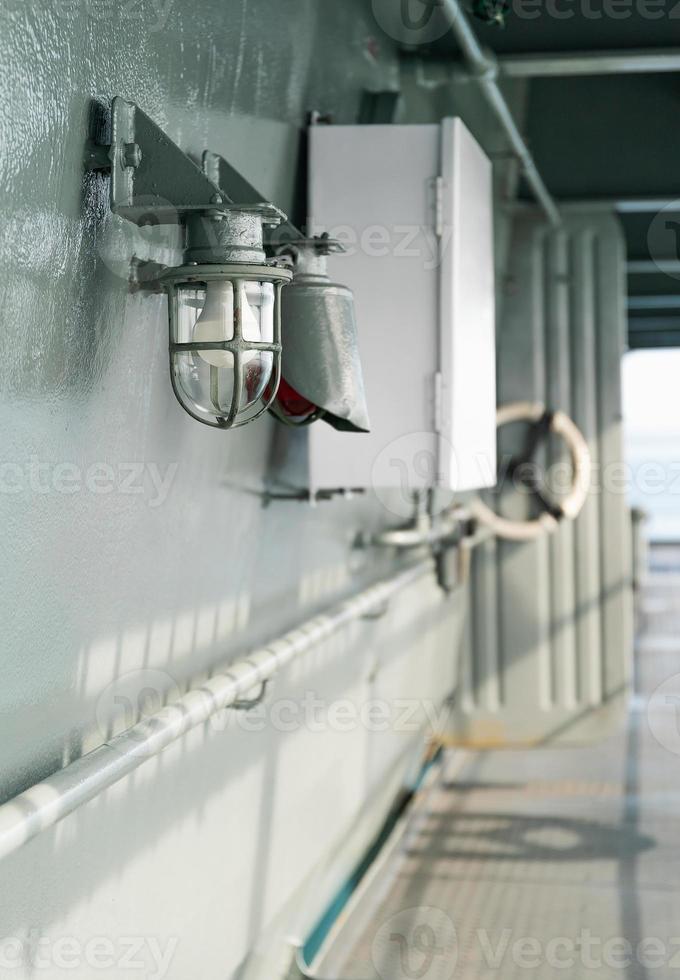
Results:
[542, 863]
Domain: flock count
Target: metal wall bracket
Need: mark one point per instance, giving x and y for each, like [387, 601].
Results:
[379, 612]
[150, 175]
[247, 704]
[147, 167]
[152, 179]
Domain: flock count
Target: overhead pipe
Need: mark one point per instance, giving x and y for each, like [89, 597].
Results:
[589, 63]
[605, 205]
[644, 267]
[484, 70]
[49, 801]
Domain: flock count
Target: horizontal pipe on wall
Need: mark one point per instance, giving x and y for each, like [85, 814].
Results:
[590, 63]
[423, 531]
[49, 801]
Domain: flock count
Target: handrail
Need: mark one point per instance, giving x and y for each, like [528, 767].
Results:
[49, 801]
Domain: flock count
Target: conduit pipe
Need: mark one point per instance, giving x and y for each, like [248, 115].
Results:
[424, 530]
[484, 70]
[49, 801]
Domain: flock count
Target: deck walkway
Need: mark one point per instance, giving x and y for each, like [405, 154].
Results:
[545, 863]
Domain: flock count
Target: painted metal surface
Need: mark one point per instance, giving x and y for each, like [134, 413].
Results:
[550, 639]
[373, 187]
[415, 206]
[148, 171]
[467, 308]
[48, 802]
[136, 549]
[320, 340]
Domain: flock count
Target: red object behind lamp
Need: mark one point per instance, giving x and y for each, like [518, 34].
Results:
[294, 405]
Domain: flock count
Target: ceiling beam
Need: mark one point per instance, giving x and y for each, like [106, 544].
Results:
[646, 340]
[641, 267]
[621, 204]
[642, 303]
[653, 341]
[655, 331]
[590, 63]
[657, 325]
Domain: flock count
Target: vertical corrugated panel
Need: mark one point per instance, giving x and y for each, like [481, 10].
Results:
[587, 548]
[550, 634]
[615, 521]
[561, 544]
[487, 666]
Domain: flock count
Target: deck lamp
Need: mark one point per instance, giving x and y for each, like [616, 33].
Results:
[224, 307]
[224, 300]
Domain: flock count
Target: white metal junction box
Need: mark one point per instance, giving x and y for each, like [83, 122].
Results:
[414, 207]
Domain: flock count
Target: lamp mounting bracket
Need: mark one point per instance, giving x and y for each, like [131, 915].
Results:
[150, 175]
[153, 180]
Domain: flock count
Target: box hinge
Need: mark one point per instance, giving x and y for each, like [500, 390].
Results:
[438, 402]
[439, 206]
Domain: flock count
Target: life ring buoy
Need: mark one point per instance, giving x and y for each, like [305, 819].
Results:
[568, 507]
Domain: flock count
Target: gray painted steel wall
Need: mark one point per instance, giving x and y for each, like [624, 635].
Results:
[230, 842]
[549, 642]
[218, 843]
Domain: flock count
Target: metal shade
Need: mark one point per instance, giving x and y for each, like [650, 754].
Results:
[320, 344]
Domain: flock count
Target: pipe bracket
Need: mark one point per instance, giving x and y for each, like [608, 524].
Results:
[247, 704]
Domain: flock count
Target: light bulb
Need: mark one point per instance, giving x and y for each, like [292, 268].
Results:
[216, 324]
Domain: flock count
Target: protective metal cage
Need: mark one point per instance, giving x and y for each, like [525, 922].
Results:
[235, 389]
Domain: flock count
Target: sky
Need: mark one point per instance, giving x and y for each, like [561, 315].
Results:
[651, 416]
[651, 393]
